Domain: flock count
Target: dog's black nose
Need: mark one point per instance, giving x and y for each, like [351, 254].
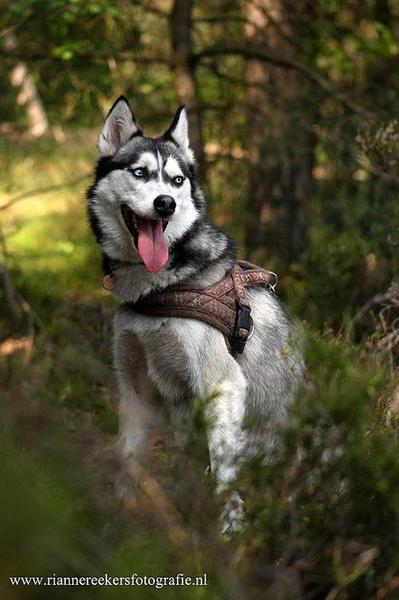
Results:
[164, 205]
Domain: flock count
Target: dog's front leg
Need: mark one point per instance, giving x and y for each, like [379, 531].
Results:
[226, 441]
[139, 422]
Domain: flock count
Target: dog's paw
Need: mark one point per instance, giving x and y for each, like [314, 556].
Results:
[232, 517]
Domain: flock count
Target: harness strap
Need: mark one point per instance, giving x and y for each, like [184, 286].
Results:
[223, 305]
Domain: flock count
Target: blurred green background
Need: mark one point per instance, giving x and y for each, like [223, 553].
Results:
[293, 109]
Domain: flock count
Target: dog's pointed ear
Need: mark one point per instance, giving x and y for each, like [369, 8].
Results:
[178, 132]
[120, 125]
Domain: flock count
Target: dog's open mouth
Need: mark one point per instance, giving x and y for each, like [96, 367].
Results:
[148, 237]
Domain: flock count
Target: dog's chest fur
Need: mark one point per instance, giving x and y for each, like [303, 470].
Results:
[174, 352]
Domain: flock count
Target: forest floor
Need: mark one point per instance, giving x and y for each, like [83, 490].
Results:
[324, 525]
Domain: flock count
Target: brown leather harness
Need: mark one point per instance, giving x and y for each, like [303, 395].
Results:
[223, 305]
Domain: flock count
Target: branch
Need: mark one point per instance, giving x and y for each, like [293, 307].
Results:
[222, 19]
[230, 79]
[11, 29]
[278, 61]
[44, 190]
[84, 56]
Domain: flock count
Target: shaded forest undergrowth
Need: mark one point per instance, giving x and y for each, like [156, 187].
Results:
[323, 523]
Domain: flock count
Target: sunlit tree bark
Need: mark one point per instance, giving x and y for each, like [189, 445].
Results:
[184, 70]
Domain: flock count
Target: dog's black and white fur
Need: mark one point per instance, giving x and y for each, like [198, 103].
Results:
[174, 360]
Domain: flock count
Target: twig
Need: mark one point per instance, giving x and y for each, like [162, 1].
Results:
[43, 190]
[18, 306]
[261, 7]
[392, 294]
[161, 504]
[157, 499]
[366, 163]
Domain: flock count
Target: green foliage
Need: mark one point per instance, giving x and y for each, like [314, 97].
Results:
[332, 511]
[324, 519]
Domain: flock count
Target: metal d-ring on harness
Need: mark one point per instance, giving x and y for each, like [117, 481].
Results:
[223, 305]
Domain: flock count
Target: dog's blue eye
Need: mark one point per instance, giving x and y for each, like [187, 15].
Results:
[138, 172]
[178, 180]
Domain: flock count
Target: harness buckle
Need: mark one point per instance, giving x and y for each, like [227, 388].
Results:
[243, 328]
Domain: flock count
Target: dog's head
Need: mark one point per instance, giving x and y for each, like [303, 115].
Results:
[145, 197]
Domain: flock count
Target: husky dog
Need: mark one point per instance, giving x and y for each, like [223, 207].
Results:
[149, 215]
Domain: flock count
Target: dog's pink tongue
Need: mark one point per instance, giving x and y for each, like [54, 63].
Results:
[152, 245]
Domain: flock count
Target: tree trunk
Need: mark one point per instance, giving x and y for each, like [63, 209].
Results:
[28, 96]
[185, 84]
[280, 139]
